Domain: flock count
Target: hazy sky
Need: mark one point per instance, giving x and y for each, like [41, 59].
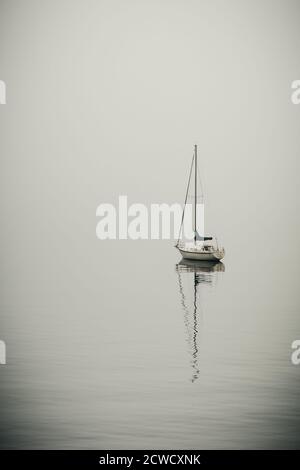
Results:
[108, 97]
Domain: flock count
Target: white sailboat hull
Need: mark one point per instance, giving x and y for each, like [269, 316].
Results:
[200, 256]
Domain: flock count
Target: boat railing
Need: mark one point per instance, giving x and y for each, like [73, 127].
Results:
[195, 248]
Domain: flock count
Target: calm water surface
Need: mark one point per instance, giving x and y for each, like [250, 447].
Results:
[127, 347]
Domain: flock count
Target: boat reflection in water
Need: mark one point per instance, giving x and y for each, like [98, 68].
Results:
[191, 276]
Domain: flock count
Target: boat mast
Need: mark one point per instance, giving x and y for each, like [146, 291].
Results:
[195, 228]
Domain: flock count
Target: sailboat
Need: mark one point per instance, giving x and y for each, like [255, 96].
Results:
[203, 248]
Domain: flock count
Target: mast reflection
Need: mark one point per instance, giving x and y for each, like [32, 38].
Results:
[193, 274]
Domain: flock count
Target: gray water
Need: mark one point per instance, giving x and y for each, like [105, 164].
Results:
[116, 355]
